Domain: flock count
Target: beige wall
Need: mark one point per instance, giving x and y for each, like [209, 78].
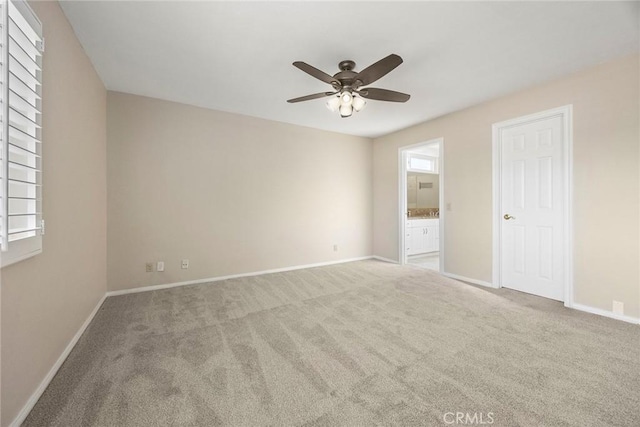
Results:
[606, 181]
[232, 194]
[46, 299]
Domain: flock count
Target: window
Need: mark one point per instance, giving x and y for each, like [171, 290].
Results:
[422, 163]
[21, 223]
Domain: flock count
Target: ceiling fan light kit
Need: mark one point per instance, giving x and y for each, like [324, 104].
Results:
[348, 85]
[346, 103]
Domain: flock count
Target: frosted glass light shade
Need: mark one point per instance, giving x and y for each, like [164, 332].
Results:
[346, 110]
[358, 103]
[346, 98]
[333, 104]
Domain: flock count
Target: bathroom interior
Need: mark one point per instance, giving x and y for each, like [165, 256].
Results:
[422, 230]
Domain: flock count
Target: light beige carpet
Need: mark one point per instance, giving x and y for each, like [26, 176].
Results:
[358, 344]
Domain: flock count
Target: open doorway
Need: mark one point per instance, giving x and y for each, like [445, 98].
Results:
[421, 199]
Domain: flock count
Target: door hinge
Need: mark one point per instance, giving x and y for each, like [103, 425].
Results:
[40, 45]
[42, 227]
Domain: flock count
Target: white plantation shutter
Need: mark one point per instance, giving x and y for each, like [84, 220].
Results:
[22, 44]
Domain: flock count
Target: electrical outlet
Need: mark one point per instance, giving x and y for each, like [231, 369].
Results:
[160, 266]
[149, 266]
[618, 307]
[185, 264]
[335, 248]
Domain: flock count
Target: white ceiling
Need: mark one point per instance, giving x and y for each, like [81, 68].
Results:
[236, 56]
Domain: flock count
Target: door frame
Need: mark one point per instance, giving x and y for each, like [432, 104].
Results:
[402, 198]
[566, 114]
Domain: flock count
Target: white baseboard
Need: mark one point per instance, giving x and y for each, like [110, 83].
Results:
[468, 280]
[231, 276]
[605, 313]
[380, 258]
[22, 415]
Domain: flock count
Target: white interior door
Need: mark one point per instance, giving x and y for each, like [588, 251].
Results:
[532, 255]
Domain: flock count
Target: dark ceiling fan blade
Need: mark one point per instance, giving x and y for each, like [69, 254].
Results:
[310, 97]
[383, 95]
[379, 69]
[313, 71]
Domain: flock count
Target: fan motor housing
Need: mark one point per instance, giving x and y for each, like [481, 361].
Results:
[346, 74]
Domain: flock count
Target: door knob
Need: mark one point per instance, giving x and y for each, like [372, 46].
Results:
[508, 217]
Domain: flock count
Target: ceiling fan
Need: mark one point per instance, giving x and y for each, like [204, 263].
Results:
[348, 91]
